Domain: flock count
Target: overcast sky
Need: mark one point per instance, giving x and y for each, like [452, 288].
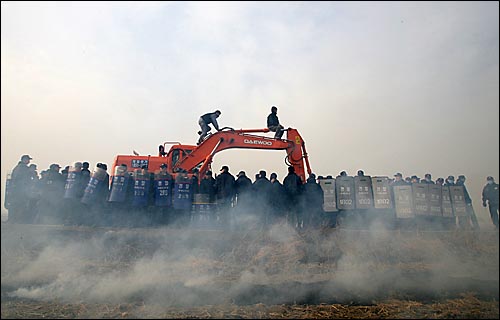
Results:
[378, 86]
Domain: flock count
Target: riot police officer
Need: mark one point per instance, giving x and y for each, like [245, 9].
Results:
[313, 202]
[490, 196]
[293, 191]
[225, 193]
[20, 182]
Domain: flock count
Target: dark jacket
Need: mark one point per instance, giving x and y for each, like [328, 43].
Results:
[20, 179]
[211, 118]
[225, 186]
[277, 198]
[261, 189]
[313, 194]
[490, 193]
[293, 188]
[53, 186]
[243, 189]
[272, 120]
[207, 186]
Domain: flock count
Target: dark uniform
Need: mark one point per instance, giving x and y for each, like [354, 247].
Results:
[427, 179]
[225, 194]
[204, 121]
[243, 189]
[450, 181]
[207, 186]
[273, 123]
[20, 188]
[313, 202]
[490, 195]
[262, 189]
[399, 183]
[51, 198]
[293, 192]
[277, 199]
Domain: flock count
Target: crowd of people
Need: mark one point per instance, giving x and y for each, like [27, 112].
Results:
[54, 195]
[61, 197]
[75, 196]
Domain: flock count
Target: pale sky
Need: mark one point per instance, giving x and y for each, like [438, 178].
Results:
[378, 86]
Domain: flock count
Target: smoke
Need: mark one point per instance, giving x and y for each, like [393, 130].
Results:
[243, 263]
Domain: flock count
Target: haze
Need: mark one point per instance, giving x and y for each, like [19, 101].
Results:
[381, 86]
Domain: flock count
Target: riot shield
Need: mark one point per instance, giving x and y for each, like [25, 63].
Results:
[363, 192]
[95, 185]
[345, 193]
[119, 185]
[141, 188]
[420, 199]
[183, 192]
[403, 202]
[163, 189]
[446, 202]
[458, 201]
[382, 196]
[330, 200]
[435, 206]
[201, 210]
[73, 188]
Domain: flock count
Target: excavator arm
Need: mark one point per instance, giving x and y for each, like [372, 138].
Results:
[229, 138]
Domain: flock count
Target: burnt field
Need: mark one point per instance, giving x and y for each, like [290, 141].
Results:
[82, 272]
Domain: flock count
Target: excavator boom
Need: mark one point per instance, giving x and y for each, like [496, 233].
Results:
[229, 138]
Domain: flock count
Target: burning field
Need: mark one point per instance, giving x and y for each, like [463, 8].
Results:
[83, 272]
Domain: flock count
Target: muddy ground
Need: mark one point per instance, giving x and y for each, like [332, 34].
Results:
[83, 272]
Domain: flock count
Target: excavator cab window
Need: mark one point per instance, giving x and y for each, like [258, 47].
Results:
[177, 155]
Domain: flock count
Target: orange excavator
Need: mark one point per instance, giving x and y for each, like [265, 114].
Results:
[186, 158]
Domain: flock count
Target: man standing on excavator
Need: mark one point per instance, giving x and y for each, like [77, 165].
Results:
[273, 123]
[205, 120]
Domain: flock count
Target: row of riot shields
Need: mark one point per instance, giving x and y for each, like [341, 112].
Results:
[141, 189]
[428, 200]
[408, 201]
[360, 192]
[87, 189]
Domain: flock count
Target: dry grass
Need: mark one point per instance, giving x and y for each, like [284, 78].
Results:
[281, 256]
